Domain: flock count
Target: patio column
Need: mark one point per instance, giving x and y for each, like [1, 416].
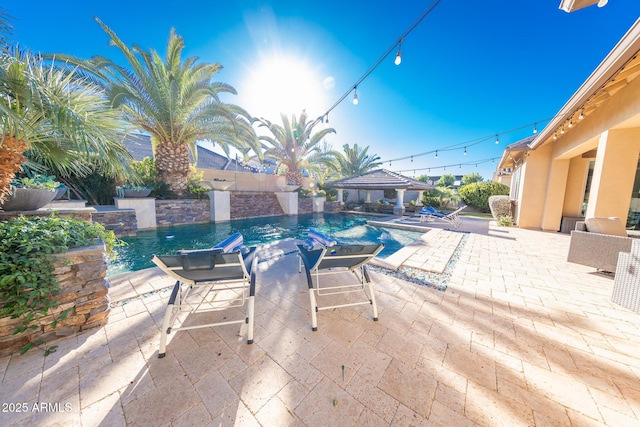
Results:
[419, 201]
[340, 196]
[398, 209]
[368, 197]
[613, 173]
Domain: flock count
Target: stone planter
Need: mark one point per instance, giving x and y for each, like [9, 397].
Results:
[81, 274]
[27, 199]
[132, 194]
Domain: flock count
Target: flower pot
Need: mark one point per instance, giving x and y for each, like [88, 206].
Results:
[61, 192]
[27, 199]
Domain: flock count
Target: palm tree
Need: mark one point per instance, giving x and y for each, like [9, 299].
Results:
[174, 101]
[296, 147]
[355, 161]
[55, 118]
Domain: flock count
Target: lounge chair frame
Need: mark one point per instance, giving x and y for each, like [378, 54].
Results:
[335, 260]
[452, 218]
[206, 281]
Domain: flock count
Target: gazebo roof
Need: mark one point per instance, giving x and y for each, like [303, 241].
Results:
[380, 179]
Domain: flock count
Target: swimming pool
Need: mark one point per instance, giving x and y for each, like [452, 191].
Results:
[346, 228]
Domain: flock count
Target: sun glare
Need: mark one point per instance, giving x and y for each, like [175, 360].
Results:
[285, 85]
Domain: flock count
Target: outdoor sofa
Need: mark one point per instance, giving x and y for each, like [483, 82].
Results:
[597, 242]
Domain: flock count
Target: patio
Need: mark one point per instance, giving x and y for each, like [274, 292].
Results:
[519, 337]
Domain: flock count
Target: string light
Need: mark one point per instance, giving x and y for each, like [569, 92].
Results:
[570, 124]
[417, 22]
[436, 154]
[581, 116]
[398, 59]
[555, 136]
[355, 95]
[535, 128]
[562, 130]
[465, 151]
[497, 139]
[411, 158]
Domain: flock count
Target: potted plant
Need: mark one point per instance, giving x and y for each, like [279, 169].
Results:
[30, 193]
[131, 191]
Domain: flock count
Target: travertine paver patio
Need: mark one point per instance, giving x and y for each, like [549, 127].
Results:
[520, 337]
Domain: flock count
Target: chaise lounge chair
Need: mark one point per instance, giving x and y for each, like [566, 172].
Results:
[322, 256]
[208, 280]
[430, 214]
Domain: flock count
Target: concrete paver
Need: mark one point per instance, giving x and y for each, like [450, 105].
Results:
[519, 337]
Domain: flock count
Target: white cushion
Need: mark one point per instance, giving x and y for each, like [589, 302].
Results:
[611, 226]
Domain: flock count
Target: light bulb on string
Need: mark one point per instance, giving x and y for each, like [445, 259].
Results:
[465, 151]
[436, 154]
[570, 124]
[355, 95]
[555, 136]
[562, 130]
[535, 128]
[497, 139]
[326, 118]
[412, 158]
[398, 59]
[581, 116]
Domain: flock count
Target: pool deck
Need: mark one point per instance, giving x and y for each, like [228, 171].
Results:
[519, 337]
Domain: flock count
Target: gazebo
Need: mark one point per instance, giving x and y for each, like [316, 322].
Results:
[381, 179]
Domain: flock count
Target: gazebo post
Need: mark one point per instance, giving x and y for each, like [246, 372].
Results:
[419, 201]
[398, 209]
[340, 191]
[367, 203]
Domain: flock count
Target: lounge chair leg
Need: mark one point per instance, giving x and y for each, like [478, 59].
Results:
[168, 320]
[250, 314]
[314, 309]
[372, 296]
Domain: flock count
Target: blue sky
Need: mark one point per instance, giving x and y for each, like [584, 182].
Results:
[470, 70]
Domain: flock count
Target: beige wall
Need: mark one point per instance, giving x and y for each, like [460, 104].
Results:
[576, 184]
[533, 187]
[614, 173]
[247, 181]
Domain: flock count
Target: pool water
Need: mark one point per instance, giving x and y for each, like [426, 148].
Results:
[345, 228]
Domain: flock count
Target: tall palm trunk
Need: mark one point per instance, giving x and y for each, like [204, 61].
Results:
[293, 176]
[172, 161]
[11, 159]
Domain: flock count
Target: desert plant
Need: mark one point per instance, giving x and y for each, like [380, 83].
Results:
[500, 206]
[477, 194]
[27, 281]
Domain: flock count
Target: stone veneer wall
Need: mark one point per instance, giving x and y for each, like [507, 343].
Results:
[332, 207]
[80, 273]
[254, 204]
[184, 211]
[121, 222]
[83, 214]
[305, 206]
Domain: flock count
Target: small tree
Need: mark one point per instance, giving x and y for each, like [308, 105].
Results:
[446, 180]
[470, 178]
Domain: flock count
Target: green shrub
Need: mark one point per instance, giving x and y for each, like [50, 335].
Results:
[477, 194]
[500, 206]
[505, 221]
[27, 280]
